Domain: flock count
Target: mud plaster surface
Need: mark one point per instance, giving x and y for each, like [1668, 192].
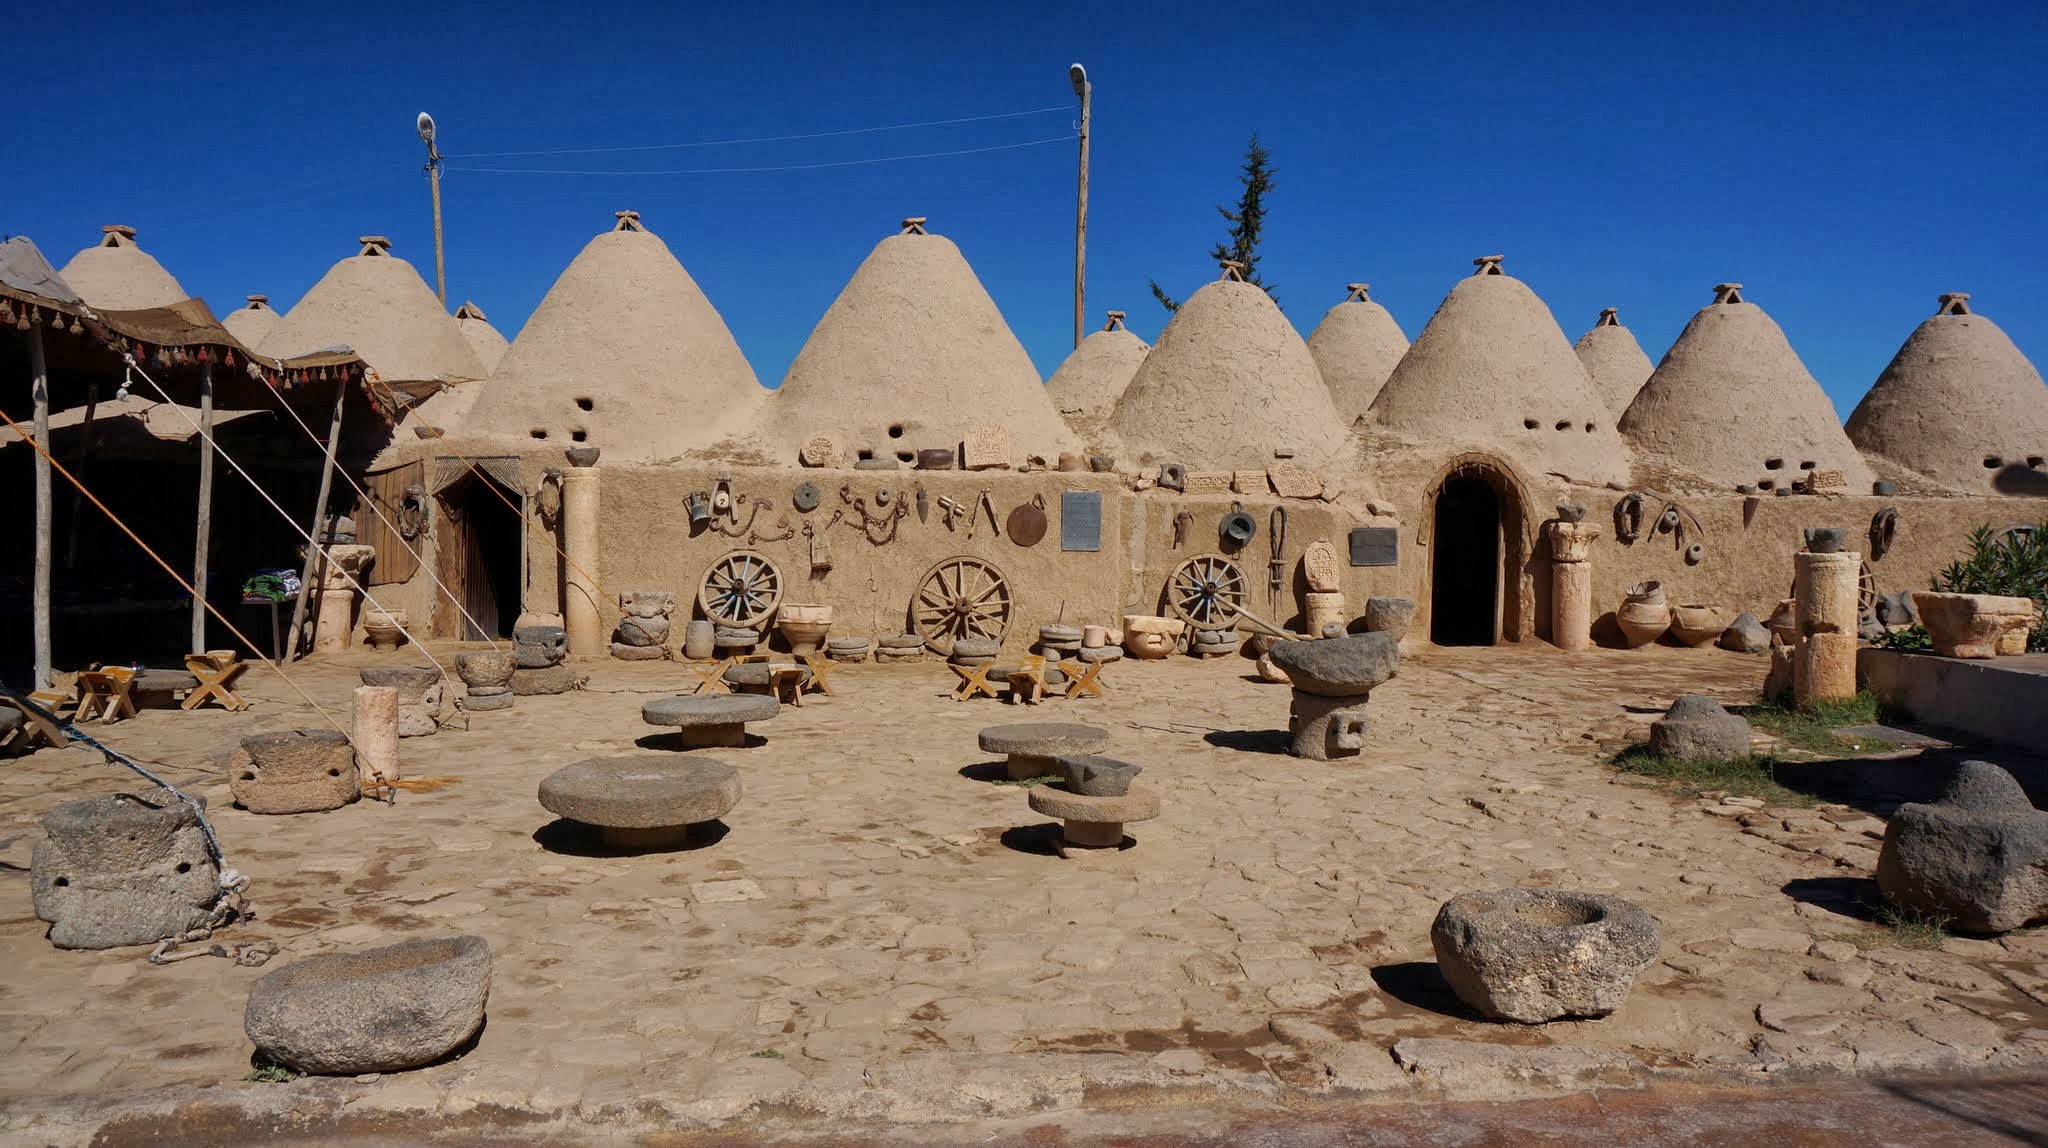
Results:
[888, 922]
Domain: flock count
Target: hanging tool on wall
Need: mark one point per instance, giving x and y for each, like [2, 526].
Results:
[821, 547]
[923, 508]
[1181, 522]
[1276, 570]
[983, 502]
[736, 530]
[1027, 522]
[952, 511]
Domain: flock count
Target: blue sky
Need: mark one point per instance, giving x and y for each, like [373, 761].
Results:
[1847, 162]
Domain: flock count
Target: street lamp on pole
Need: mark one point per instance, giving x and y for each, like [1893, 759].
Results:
[426, 129]
[1084, 91]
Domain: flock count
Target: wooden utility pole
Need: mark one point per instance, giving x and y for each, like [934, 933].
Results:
[426, 130]
[203, 532]
[40, 388]
[316, 551]
[1086, 91]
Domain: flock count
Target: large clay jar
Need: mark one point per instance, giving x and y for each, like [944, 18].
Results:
[1698, 625]
[803, 626]
[384, 629]
[1150, 637]
[1972, 625]
[1643, 616]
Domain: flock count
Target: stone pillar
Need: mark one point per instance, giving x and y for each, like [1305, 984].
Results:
[1824, 598]
[579, 542]
[374, 723]
[334, 619]
[1321, 609]
[1327, 728]
[1571, 584]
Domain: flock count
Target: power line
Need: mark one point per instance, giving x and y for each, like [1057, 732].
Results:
[767, 139]
[780, 167]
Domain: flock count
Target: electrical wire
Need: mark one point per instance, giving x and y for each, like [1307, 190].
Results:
[779, 167]
[766, 139]
[175, 576]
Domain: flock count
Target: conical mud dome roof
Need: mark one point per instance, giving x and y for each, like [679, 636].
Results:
[116, 275]
[254, 323]
[376, 303]
[483, 338]
[1086, 387]
[624, 353]
[1732, 401]
[1228, 382]
[1961, 405]
[1356, 346]
[1615, 360]
[914, 354]
[1492, 370]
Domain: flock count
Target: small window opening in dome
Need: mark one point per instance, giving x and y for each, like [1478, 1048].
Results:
[905, 456]
[2035, 461]
[1774, 464]
[896, 430]
[578, 436]
[583, 404]
[1993, 462]
[1809, 464]
[1564, 424]
[538, 433]
[1589, 428]
[864, 453]
[1766, 484]
[1529, 424]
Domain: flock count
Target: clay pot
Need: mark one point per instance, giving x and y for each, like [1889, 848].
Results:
[803, 626]
[385, 629]
[1094, 637]
[1643, 616]
[1150, 637]
[700, 639]
[1973, 625]
[1697, 625]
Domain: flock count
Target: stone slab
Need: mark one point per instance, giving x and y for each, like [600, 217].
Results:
[642, 792]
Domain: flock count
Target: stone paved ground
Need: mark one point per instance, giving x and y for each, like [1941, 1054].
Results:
[882, 936]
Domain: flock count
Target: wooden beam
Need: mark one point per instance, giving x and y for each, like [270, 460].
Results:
[40, 387]
[201, 534]
[315, 553]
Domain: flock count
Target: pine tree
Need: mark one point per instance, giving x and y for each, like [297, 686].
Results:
[1247, 223]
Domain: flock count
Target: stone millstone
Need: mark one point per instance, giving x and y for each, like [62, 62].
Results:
[642, 792]
[849, 645]
[1535, 955]
[475, 702]
[976, 648]
[1044, 739]
[122, 870]
[297, 771]
[758, 674]
[379, 1010]
[1978, 856]
[1339, 667]
[1136, 805]
[903, 642]
[709, 709]
[1697, 728]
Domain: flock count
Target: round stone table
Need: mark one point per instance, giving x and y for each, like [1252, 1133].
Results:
[642, 802]
[1032, 746]
[710, 719]
[1094, 822]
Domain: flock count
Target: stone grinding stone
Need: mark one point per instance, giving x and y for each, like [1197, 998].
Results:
[642, 792]
[1136, 805]
[847, 656]
[1043, 739]
[380, 1010]
[627, 653]
[296, 771]
[709, 709]
[1059, 633]
[848, 644]
[539, 647]
[1339, 667]
[477, 703]
[551, 680]
[976, 648]
[121, 870]
[643, 631]
[1697, 728]
[1535, 955]
[903, 642]
[411, 682]
[1092, 775]
[1100, 653]
[1978, 856]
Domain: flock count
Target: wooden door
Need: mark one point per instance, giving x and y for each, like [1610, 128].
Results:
[380, 520]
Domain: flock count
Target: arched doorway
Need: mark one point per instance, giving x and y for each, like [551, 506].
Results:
[477, 550]
[1466, 572]
[1481, 590]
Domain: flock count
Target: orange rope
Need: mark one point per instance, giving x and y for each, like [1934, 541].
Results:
[116, 520]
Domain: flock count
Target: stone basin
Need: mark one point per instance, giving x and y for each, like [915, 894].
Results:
[1535, 955]
[1972, 625]
[645, 801]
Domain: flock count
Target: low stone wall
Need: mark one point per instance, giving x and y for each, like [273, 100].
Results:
[2001, 700]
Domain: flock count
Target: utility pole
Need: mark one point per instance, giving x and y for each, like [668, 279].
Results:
[1078, 76]
[426, 129]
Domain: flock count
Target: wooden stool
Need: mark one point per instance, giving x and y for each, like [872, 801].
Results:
[106, 693]
[1027, 681]
[786, 684]
[712, 681]
[35, 728]
[973, 680]
[216, 671]
[821, 668]
[1084, 684]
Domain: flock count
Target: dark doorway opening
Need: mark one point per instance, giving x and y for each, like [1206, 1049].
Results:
[477, 554]
[1465, 563]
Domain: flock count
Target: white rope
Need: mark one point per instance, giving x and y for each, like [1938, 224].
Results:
[395, 532]
[289, 521]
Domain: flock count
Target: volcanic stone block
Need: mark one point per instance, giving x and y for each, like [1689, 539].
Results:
[1978, 856]
[1697, 728]
[642, 801]
[122, 870]
[1535, 955]
[1746, 635]
[1340, 667]
[296, 771]
[1326, 728]
[1389, 616]
[380, 1010]
[976, 648]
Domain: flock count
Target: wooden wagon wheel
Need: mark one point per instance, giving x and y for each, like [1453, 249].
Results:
[1866, 592]
[1206, 591]
[960, 598]
[741, 590]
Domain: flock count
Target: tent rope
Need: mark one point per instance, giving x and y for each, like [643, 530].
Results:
[396, 533]
[329, 564]
[175, 576]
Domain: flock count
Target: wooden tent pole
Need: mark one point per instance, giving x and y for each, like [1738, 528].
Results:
[317, 551]
[41, 391]
[202, 533]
